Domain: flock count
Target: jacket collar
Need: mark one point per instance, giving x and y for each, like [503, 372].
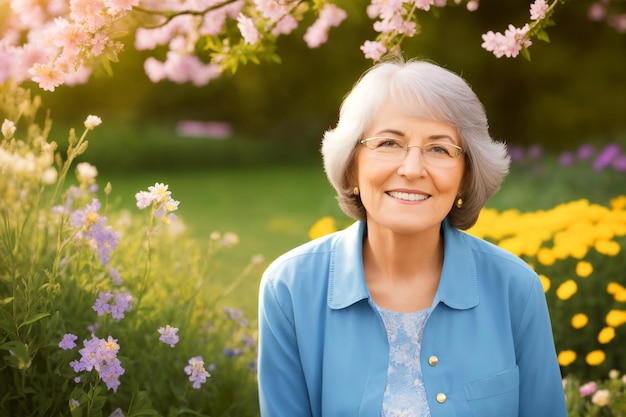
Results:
[458, 287]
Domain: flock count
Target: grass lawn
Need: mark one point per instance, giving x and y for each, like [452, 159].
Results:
[271, 210]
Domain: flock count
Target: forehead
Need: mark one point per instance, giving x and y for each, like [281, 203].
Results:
[394, 119]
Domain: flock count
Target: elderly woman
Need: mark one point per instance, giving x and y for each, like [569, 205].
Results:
[402, 313]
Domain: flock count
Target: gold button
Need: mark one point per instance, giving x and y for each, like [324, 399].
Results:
[441, 397]
[433, 360]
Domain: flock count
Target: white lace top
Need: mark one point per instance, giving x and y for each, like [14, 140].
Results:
[404, 394]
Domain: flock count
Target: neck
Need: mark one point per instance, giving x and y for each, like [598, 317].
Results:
[393, 257]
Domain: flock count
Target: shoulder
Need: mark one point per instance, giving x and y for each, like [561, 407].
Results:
[303, 255]
[488, 254]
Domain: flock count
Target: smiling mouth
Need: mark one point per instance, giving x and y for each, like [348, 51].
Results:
[408, 196]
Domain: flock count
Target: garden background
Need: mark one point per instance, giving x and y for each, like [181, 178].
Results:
[257, 173]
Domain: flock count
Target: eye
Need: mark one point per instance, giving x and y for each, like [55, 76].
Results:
[440, 149]
[389, 143]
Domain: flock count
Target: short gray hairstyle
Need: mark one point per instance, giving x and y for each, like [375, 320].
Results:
[429, 91]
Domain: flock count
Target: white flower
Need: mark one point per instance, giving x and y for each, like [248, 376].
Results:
[8, 129]
[601, 397]
[86, 172]
[91, 122]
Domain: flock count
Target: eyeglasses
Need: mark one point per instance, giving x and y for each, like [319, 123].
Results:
[437, 154]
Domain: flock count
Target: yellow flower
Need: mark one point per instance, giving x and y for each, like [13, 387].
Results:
[595, 357]
[616, 318]
[618, 203]
[566, 290]
[613, 288]
[584, 269]
[566, 357]
[607, 247]
[546, 257]
[545, 282]
[323, 226]
[606, 335]
[579, 321]
[620, 296]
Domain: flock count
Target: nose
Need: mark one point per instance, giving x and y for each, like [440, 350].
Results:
[413, 165]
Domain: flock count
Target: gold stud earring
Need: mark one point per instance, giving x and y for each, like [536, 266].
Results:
[356, 191]
[459, 203]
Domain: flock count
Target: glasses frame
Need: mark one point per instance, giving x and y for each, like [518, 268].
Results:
[458, 153]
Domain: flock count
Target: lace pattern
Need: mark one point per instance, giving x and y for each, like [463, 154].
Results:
[405, 395]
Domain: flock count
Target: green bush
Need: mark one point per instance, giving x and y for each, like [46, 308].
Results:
[107, 312]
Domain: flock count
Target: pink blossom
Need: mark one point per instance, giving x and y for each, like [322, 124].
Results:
[373, 50]
[472, 5]
[588, 389]
[508, 44]
[618, 22]
[115, 7]
[285, 25]
[47, 76]
[386, 9]
[538, 10]
[88, 13]
[155, 70]
[212, 23]
[424, 4]
[271, 10]
[69, 36]
[317, 33]
[248, 30]
[597, 12]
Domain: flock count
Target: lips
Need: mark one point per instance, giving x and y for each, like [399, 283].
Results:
[408, 196]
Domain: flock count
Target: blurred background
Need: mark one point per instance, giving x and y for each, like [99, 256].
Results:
[572, 91]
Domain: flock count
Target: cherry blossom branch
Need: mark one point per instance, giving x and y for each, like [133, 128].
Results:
[61, 41]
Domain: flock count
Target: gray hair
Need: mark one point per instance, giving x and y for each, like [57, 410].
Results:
[429, 91]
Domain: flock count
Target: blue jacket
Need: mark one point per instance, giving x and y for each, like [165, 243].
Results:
[487, 347]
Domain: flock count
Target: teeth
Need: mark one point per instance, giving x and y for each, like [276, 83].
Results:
[408, 196]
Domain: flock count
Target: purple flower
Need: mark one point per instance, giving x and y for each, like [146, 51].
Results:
[168, 335]
[101, 355]
[115, 304]
[588, 389]
[585, 152]
[91, 227]
[197, 373]
[535, 152]
[231, 353]
[101, 306]
[67, 342]
[606, 157]
[566, 159]
[620, 163]
[117, 413]
[516, 153]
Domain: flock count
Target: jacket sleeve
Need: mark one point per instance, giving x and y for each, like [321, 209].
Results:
[282, 385]
[541, 386]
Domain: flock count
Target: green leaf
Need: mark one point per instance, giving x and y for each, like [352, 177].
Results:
[141, 405]
[6, 301]
[543, 36]
[33, 319]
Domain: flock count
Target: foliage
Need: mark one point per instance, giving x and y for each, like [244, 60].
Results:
[602, 398]
[103, 311]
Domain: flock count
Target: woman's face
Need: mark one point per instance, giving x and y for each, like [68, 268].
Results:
[410, 193]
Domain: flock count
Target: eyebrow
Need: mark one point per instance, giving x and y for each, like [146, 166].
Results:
[402, 134]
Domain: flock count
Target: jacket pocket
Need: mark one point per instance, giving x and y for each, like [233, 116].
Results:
[495, 395]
